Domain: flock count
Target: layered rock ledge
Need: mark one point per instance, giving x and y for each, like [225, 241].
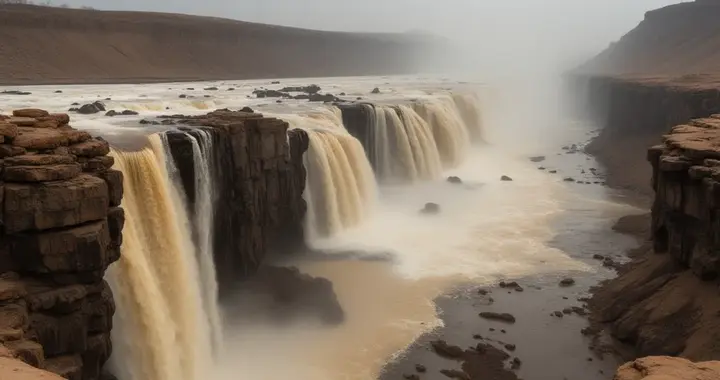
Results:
[61, 228]
[667, 303]
[664, 367]
[260, 179]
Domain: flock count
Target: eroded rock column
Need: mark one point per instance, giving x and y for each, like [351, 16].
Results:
[61, 228]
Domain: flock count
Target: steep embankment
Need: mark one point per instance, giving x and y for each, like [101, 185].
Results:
[664, 72]
[56, 45]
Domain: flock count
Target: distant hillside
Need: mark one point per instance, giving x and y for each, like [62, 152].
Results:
[57, 45]
[676, 40]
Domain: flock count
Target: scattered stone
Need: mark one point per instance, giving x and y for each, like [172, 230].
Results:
[275, 82]
[190, 88]
[482, 292]
[206, 96]
[503, 331]
[598, 257]
[278, 101]
[411, 376]
[552, 171]
[455, 374]
[213, 88]
[510, 347]
[502, 317]
[91, 108]
[569, 179]
[311, 89]
[455, 180]
[579, 311]
[231, 89]
[443, 349]
[505, 178]
[567, 282]
[516, 363]
[477, 336]
[567, 311]
[375, 91]
[111, 113]
[323, 98]
[420, 368]
[491, 329]
[182, 96]
[431, 208]
[15, 92]
[541, 168]
[537, 159]
[129, 113]
[558, 314]
[342, 94]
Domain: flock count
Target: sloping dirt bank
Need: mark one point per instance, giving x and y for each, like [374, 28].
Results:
[44, 45]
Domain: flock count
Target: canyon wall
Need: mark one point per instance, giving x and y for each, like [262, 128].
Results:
[61, 228]
[260, 178]
[666, 303]
[633, 114]
[92, 46]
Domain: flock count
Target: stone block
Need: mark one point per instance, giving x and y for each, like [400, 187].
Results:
[74, 136]
[39, 160]
[28, 351]
[71, 250]
[116, 222]
[40, 139]
[69, 367]
[59, 335]
[7, 150]
[99, 310]
[91, 148]
[114, 180]
[22, 121]
[56, 300]
[8, 130]
[41, 173]
[30, 112]
[98, 352]
[96, 164]
[40, 206]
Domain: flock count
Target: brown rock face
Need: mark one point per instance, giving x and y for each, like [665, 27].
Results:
[259, 180]
[664, 367]
[58, 236]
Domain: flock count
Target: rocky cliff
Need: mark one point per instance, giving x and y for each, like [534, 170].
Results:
[667, 303]
[91, 46]
[61, 228]
[633, 114]
[259, 181]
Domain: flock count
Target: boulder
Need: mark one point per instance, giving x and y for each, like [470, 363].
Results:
[87, 109]
[213, 88]
[100, 105]
[8, 130]
[537, 158]
[22, 121]
[30, 112]
[129, 113]
[375, 91]
[31, 206]
[62, 118]
[7, 150]
[311, 89]
[90, 148]
[431, 208]
[40, 139]
[38, 160]
[47, 123]
[505, 178]
[502, 317]
[323, 98]
[111, 113]
[41, 173]
[74, 136]
[96, 164]
[454, 180]
[15, 92]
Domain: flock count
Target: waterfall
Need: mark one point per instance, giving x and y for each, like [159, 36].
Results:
[452, 136]
[204, 217]
[341, 189]
[469, 106]
[162, 325]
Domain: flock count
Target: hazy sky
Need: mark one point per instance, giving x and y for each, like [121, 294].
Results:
[509, 30]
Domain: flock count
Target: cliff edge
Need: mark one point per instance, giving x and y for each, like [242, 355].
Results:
[44, 45]
[663, 367]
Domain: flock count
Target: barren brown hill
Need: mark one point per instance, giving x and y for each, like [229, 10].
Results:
[678, 40]
[56, 45]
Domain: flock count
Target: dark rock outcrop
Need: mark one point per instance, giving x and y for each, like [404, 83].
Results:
[666, 303]
[261, 179]
[61, 228]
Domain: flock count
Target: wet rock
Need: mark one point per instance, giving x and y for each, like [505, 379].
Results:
[14, 92]
[88, 109]
[247, 109]
[213, 88]
[129, 113]
[206, 96]
[30, 112]
[190, 88]
[477, 336]
[552, 171]
[569, 179]
[375, 91]
[278, 101]
[411, 376]
[231, 89]
[420, 368]
[58, 91]
[455, 180]
[541, 168]
[505, 178]
[323, 98]
[431, 208]
[558, 314]
[271, 94]
[510, 347]
[275, 82]
[567, 311]
[579, 311]
[567, 282]
[111, 113]
[443, 349]
[482, 292]
[516, 363]
[455, 374]
[598, 257]
[501, 317]
[537, 158]
[182, 96]
[311, 89]
[342, 94]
